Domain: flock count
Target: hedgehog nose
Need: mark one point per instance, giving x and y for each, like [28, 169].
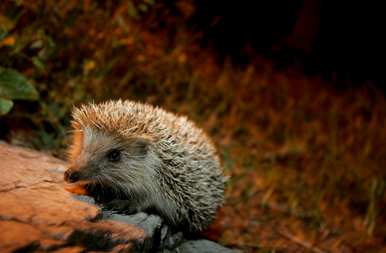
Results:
[71, 176]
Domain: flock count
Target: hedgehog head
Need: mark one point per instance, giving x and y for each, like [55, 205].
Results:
[106, 154]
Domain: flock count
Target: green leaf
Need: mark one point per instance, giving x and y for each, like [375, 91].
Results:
[3, 33]
[14, 85]
[38, 63]
[5, 106]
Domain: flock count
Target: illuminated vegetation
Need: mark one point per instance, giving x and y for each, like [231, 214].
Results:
[306, 162]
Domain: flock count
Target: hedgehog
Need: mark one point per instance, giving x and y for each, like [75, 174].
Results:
[146, 158]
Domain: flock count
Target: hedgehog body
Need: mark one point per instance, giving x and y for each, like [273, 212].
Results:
[152, 158]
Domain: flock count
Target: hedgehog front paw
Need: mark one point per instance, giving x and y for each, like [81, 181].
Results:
[122, 206]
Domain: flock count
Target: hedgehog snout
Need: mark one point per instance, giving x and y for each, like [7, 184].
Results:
[75, 173]
[71, 176]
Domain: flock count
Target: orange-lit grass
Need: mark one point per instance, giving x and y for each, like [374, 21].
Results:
[302, 157]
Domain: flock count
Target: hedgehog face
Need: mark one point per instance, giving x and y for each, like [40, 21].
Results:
[112, 162]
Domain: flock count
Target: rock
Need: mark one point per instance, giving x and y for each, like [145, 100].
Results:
[38, 215]
[151, 224]
[202, 246]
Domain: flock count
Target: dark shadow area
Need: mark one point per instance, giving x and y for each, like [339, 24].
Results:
[342, 40]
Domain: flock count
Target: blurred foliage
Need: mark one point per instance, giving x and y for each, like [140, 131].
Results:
[13, 85]
[302, 157]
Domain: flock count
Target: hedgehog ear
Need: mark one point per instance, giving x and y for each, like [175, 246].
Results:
[139, 146]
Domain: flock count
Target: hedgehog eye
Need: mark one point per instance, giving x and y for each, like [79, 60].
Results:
[114, 155]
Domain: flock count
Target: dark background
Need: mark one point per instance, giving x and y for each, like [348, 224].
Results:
[343, 40]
